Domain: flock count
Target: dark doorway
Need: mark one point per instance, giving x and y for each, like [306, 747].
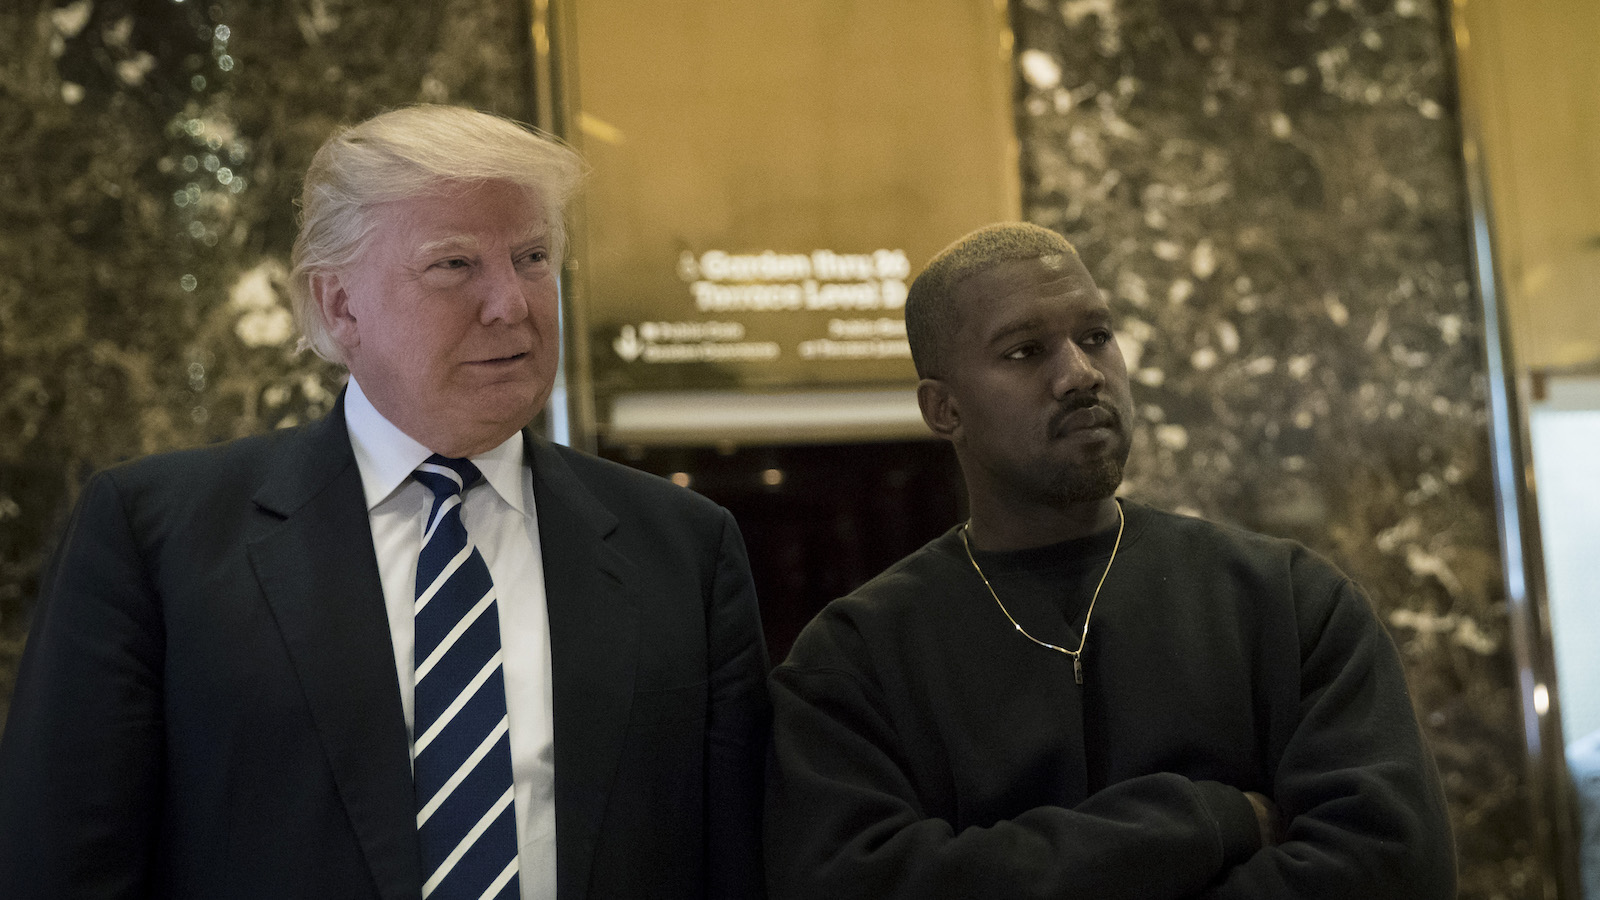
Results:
[819, 520]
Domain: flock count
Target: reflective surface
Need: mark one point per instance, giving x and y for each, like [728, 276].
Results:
[1274, 195]
[1528, 81]
[766, 178]
[1565, 430]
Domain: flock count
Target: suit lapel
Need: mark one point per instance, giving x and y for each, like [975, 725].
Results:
[320, 576]
[594, 637]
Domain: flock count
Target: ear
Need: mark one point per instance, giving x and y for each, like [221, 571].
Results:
[333, 304]
[939, 408]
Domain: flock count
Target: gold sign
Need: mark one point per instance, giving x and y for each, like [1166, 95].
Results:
[767, 180]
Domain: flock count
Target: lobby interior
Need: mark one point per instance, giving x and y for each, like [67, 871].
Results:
[1353, 245]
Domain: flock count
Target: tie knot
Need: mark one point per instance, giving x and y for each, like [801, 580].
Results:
[447, 477]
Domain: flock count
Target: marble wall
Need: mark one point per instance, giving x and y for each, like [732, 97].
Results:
[150, 154]
[1272, 191]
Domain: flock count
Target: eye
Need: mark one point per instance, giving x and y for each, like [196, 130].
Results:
[1022, 351]
[454, 262]
[1099, 337]
[535, 257]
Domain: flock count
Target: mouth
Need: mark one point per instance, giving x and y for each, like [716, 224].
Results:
[1089, 419]
[499, 360]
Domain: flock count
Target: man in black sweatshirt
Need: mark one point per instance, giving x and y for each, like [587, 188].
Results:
[1075, 695]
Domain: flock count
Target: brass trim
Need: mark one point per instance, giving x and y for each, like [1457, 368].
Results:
[1550, 795]
[552, 32]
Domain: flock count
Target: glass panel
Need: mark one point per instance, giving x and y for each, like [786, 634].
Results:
[1565, 427]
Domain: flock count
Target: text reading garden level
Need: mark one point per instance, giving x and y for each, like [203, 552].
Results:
[790, 282]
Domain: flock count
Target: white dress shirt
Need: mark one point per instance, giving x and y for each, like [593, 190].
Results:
[503, 524]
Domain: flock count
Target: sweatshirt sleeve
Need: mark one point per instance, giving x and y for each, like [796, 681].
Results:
[1355, 783]
[843, 819]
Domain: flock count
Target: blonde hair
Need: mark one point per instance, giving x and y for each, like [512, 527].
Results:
[406, 153]
[930, 310]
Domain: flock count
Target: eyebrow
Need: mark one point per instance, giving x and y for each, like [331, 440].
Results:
[453, 242]
[1016, 326]
[534, 235]
[1100, 316]
[469, 242]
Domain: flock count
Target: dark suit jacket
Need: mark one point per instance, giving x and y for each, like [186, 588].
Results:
[207, 706]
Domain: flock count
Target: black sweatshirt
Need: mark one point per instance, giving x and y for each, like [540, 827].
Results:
[924, 748]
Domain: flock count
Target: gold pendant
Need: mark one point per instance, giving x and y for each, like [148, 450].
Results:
[1077, 669]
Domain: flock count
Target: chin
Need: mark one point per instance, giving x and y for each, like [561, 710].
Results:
[1089, 485]
[512, 399]
[492, 416]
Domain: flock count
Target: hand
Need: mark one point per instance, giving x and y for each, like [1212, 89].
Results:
[1267, 818]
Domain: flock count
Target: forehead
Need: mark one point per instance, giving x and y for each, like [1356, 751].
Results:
[993, 298]
[485, 211]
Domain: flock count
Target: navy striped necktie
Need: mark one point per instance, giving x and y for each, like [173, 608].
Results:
[461, 752]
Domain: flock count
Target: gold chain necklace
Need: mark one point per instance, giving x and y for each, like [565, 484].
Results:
[1077, 655]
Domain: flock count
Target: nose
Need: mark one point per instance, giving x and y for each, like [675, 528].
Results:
[503, 301]
[1075, 370]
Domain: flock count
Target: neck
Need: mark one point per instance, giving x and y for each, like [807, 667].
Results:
[996, 526]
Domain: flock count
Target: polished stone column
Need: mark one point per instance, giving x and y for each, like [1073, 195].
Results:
[1272, 194]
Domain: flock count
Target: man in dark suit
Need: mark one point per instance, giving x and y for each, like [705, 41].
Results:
[407, 650]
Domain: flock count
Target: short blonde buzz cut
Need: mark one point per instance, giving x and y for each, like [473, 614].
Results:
[931, 314]
[410, 152]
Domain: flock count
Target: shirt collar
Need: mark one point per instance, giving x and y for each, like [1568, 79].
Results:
[386, 456]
